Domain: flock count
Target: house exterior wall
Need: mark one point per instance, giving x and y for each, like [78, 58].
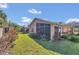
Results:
[52, 32]
[75, 30]
[64, 29]
[32, 28]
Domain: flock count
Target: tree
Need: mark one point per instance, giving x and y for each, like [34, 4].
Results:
[3, 15]
[3, 19]
[16, 26]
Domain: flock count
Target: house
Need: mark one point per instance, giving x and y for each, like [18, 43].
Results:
[49, 30]
[24, 30]
[75, 30]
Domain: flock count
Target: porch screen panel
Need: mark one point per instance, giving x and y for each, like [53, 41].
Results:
[43, 29]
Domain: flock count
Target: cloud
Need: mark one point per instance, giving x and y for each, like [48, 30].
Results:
[72, 20]
[34, 11]
[3, 5]
[22, 24]
[25, 21]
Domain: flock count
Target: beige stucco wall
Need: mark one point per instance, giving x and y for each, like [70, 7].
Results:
[32, 28]
[52, 32]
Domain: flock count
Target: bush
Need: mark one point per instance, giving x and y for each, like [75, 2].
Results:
[77, 34]
[67, 37]
[74, 39]
[35, 36]
[64, 36]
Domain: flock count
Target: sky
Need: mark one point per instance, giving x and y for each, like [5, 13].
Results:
[24, 13]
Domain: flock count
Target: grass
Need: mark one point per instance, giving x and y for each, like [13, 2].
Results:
[24, 45]
[63, 46]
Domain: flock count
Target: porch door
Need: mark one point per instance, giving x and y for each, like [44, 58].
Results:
[57, 32]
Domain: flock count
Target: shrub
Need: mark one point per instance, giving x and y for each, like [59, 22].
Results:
[77, 34]
[64, 36]
[74, 39]
[35, 36]
[67, 37]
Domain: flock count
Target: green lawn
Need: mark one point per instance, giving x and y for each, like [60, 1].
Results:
[63, 46]
[24, 45]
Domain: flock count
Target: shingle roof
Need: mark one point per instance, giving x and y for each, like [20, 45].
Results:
[54, 23]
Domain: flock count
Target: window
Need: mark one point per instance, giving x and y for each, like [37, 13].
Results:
[43, 29]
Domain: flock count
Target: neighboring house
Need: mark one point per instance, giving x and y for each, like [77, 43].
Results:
[75, 30]
[75, 26]
[24, 30]
[49, 30]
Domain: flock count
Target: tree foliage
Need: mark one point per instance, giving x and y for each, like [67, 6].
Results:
[3, 19]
